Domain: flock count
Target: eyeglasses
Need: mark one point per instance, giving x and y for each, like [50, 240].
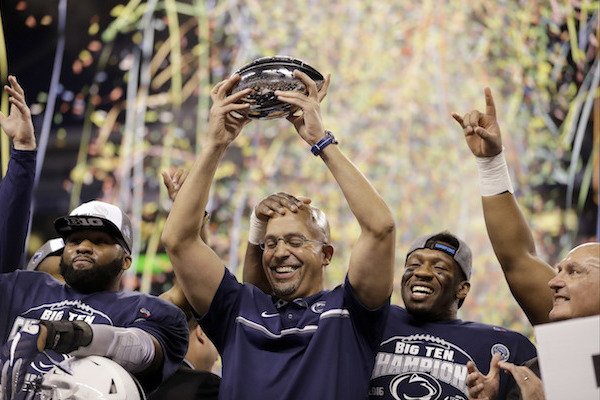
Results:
[292, 240]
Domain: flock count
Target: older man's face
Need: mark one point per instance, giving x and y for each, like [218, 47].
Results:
[577, 285]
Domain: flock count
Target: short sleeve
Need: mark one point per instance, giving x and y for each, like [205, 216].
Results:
[370, 323]
[220, 317]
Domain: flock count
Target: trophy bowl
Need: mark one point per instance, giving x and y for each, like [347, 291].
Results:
[268, 74]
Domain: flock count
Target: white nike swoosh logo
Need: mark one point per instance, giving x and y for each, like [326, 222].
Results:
[267, 315]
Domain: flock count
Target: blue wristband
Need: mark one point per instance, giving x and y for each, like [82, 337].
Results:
[325, 141]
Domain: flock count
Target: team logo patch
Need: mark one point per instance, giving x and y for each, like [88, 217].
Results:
[501, 349]
[318, 307]
[144, 312]
[415, 385]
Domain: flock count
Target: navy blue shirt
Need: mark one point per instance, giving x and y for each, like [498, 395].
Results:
[318, 347]
[16, 190]
[27, 296]
[428, 359]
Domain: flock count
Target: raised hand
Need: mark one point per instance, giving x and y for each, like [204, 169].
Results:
[308, 124]
[483, 387]
[173, 181]
[279, 203]
[530, 385]
[18, 125]
[481, 130]
[223, 125]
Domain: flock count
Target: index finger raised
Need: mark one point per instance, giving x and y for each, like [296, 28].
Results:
[490, 107]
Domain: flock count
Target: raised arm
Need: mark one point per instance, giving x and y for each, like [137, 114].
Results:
[16, 189]
[371, 268]
[527, 275]
[198, 268]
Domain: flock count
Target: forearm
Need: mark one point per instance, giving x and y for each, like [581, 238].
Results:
[371, 212]
[199, 270]
[507, 228]
[372, 282]
[132, 348]
[185, 219]
[526, 274]
[16, 191]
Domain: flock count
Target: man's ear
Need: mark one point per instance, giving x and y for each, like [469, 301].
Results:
[328, 253]
[463, 290]
[126, 262]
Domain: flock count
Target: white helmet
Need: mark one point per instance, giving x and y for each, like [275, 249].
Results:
[90, 378]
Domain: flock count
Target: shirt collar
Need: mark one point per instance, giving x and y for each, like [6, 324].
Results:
[302, 302]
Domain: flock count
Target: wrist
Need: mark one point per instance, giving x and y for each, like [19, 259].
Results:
[28, 146]
[322, 143]
[257, 230]
[493, 175]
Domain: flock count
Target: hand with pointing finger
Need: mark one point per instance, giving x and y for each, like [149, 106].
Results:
[481, 130]
[480, 386]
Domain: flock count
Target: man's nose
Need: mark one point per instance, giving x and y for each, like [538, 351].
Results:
[85, 246]
[424, 272]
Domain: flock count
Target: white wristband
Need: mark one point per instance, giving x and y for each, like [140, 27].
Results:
[258, 229]
[493, 175]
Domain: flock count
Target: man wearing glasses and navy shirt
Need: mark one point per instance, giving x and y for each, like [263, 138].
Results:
[299, 341]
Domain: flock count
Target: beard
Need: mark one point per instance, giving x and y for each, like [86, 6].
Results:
[96, 279]
[283, 292]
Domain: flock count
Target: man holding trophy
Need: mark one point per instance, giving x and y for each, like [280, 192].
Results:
[301, 342]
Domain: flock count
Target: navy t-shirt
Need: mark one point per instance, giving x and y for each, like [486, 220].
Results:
[27, 296]
[428, 359]
[318, 347]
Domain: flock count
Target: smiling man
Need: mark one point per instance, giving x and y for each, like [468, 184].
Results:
[425, 347]
[299, 341]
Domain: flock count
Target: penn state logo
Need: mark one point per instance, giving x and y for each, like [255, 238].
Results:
[318, 307]
[415, 385]
[501, 349]
[144, 312]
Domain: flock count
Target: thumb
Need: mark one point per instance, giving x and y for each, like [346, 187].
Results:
[304, 200]
[494, 368]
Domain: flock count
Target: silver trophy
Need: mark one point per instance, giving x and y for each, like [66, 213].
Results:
[268, 74]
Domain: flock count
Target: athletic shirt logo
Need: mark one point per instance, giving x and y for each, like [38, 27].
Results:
[318, 307]
[501, 349]
[419, 367]
[415, 385]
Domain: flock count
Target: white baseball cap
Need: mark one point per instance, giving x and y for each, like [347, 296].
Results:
[97, 215]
